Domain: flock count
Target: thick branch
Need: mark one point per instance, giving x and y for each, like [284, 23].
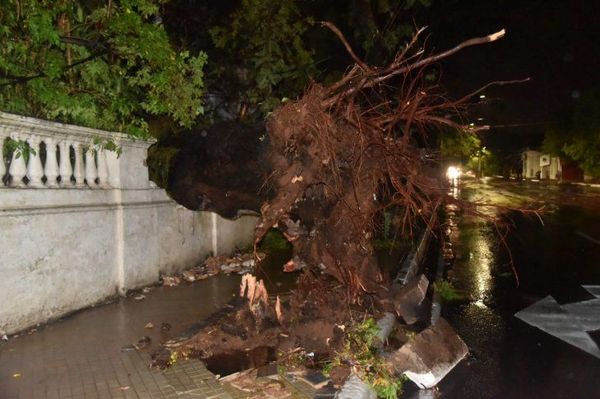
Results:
[340, 35]
[396, 70]
[24, 79]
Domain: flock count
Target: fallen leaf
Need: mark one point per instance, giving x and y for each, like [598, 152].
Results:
[17, 375]
[149, 325]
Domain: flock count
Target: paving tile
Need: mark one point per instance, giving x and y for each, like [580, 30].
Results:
[80, 356]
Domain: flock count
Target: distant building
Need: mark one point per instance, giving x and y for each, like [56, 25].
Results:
[537, 165]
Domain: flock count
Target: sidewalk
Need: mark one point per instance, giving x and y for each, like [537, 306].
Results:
[82, 355]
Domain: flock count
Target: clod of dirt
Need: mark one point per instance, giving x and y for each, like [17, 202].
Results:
[339, 374]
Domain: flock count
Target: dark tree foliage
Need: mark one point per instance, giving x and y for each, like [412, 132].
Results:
[107, 65]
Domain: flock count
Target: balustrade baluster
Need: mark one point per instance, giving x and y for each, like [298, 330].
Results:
[17, 169]
[2, 166]
[66, 170]
[102, 168]
[35, 170]
[90, 167]
[78, 170]
[51, 166]
[112, 161]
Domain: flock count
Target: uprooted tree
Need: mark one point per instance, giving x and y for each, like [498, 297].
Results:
[343, 153]
[339, 156]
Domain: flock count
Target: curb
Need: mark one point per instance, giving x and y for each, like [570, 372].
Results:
[410, 266]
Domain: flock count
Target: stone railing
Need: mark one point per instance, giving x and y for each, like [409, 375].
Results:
[80, 224]
[37, 154]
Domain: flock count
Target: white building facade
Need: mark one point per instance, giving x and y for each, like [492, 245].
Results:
[537, 165]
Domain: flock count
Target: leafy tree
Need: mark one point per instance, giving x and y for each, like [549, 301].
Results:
[579, 139]
[584, 143]
[264, 41]
[459, 145]
[264, 51]
[106, 65]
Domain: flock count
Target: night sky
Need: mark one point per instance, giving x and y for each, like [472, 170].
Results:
[555, 42]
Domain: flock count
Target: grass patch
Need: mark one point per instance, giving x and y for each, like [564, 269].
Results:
[274, 241]
[359, 352]
[447, 292]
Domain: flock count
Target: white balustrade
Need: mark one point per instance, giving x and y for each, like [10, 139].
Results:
[71, 158]
[35, 170]
[90, 167]
[65, 168]
[78, 172]
[17, 169]
[51, 166]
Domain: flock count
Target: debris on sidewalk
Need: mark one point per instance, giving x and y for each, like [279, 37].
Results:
[313, 378]
[409, 297]
[139, 297]
[258, 387]
[171, 281]
[239, 263]
[149, 325]
[143, 343]
[189, 276]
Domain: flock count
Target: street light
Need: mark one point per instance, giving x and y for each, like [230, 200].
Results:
[453, 173]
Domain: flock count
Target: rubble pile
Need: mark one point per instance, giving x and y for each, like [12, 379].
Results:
[239, 263]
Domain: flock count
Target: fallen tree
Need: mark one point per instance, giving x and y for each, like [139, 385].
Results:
[339, 156]
[343, 153]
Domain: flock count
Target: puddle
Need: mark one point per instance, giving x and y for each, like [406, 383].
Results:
[231, 362]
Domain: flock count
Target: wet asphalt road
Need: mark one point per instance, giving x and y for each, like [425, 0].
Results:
[510, 359]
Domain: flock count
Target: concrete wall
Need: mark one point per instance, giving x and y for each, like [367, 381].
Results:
[67, 247]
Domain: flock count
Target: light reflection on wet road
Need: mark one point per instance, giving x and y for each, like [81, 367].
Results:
[510, 359]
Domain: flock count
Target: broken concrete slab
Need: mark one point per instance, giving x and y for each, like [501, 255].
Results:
[430, 355]
[408, 299]
[386, 325]
[355, 388]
